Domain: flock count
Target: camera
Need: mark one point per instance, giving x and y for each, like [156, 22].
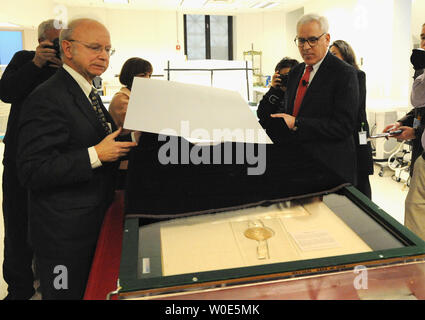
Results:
[56, 47]
[283, 80]
[418, 59]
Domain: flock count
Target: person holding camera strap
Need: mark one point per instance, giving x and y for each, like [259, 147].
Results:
[274, 100]
[26, 71]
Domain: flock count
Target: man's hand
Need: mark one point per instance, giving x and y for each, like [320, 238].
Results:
[109, 150]
[407, 134]
[392, 127]
[290, 120]
[44, 55]
[276, 81]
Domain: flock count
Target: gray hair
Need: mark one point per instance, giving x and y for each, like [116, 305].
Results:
[45, 26]
[321, 20]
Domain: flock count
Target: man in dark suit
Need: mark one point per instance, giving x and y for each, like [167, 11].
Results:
[24, 73]
[322, 100]
[68, 157]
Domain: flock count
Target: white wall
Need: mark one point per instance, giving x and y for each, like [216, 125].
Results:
[291, 19]
[265, 31]
[369, 26]
[418, 18]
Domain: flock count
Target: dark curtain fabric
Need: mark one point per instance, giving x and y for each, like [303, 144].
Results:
[154, 190]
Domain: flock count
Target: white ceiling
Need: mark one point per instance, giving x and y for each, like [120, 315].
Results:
[234, 6]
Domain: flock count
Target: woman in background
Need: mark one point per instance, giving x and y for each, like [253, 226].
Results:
[343, 51]
[133, 67]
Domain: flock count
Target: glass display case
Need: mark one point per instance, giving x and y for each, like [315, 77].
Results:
[259, 244]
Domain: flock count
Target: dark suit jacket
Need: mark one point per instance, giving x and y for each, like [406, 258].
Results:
[67, 198]
[328, 115]
[18, 80]
[364, 152]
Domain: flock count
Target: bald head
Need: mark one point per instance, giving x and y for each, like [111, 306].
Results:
[85, 46]
[79, 26]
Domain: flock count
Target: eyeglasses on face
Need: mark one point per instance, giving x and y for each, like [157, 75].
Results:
[97, 48]
[312, 41]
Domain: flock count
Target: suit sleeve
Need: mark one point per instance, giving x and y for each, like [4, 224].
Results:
[45, 159]
[407, 120]
[19, 78]
[340, 124]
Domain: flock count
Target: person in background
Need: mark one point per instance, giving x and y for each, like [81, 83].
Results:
[343, 51]
[274, 100]
[322, 100]
[24, 73]
[414, 217]
[133, 67]
[413, 123]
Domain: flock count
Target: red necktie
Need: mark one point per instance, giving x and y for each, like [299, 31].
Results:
[302, 88]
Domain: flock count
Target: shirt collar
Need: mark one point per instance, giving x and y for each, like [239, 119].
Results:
[82, 82]
[317, 65]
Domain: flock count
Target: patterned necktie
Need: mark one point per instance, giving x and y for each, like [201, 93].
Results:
[94, 98]
[302, 88]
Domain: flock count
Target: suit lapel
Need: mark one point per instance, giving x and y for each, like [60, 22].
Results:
[319, 77]
[83, 104]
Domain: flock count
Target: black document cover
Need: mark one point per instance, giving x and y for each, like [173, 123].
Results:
[164, 191]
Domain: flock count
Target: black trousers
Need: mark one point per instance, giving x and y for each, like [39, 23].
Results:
[64, 275]
[363, 184]
[18, 254]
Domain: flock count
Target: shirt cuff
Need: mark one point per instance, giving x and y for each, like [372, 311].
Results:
[94, 159]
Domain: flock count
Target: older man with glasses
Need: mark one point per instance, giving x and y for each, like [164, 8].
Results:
[68, 158]
[322, 100]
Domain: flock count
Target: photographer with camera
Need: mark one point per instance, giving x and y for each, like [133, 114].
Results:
[26, 71]
[413, 123]
[274, 100]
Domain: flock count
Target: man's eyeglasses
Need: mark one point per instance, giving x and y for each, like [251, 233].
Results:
[312, 41]
[95, 47]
